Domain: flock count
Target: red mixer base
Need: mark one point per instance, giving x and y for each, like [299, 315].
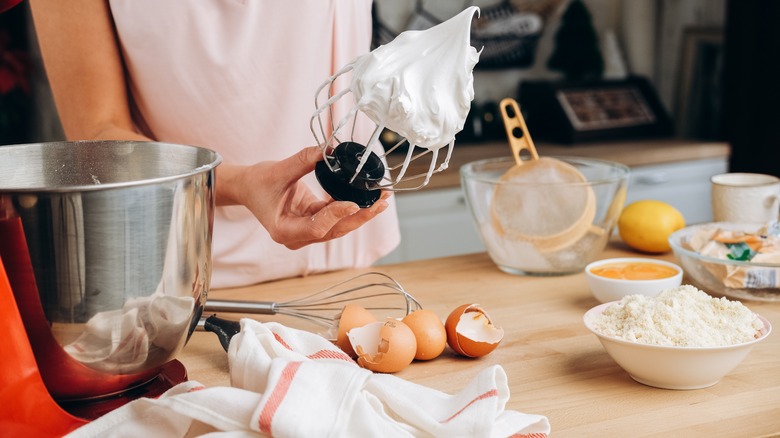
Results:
[171, 375]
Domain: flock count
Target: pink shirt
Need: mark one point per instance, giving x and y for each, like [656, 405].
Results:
[239, 77]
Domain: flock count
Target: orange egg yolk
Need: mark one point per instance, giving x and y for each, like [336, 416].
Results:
[634, 271]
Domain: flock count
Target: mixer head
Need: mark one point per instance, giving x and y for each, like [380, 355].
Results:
[356, 168]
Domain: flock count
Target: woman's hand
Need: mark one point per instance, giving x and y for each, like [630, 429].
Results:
[285, 206]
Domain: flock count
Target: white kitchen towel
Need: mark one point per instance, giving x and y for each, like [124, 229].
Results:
[292, 383]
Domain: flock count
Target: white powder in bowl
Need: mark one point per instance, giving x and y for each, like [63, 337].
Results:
[681, 317]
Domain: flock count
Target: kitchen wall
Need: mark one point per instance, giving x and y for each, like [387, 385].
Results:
[648, 33]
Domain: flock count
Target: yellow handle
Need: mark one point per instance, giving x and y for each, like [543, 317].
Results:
[516, 130]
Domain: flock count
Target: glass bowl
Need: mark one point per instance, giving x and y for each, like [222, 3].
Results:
[736, 279]
[561, 252]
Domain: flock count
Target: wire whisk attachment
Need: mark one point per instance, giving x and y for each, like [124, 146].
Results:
[374, 291]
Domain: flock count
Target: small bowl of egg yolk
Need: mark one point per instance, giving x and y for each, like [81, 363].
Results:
[613, 279]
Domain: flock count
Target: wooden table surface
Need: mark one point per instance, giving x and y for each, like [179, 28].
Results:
[554, 365]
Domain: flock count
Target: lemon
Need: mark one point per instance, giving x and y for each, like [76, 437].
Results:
[646, 225]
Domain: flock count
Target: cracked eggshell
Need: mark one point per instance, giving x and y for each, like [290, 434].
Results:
[384, 347]
[352, 316]
[470, 331]
[429, 332]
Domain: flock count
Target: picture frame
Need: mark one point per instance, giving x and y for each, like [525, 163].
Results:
[698, 95]
[597, 110]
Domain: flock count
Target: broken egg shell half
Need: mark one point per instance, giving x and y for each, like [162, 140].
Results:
[470, 331]
[384, 347]
[429, 332]
[352, 316]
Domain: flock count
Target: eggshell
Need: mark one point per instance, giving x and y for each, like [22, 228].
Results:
[470, 331]
[428, 331]
[384, 347]
[352, 316]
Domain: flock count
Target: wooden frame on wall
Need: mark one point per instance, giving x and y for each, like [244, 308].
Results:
[698, 97]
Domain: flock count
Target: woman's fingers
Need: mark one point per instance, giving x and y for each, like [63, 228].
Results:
[298, 231]
[334, 220]
[355, 221]
[303, 162]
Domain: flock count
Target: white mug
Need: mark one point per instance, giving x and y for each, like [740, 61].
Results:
[745, 197]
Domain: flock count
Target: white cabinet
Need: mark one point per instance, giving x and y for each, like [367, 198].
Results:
[437, 223]
[684, 185]
[434, 223]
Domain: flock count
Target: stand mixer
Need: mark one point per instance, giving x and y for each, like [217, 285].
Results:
[88, 233]
[23, 395]
[419, 86]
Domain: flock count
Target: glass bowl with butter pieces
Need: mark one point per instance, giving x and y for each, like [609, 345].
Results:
[734, 260]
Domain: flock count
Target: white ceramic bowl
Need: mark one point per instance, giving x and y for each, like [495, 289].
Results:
[674, 367]
[563, 252]
[613, 289]
[708, 273]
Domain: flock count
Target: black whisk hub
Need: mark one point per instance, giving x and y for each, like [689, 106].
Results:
[345, 160]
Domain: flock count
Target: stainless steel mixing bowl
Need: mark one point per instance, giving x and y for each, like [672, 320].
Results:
[107, 246]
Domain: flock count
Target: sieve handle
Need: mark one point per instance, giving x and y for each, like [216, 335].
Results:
[516, 130]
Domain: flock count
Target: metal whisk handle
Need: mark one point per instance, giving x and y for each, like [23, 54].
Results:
[238, 306]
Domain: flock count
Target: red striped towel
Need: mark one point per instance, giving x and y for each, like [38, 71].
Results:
[291, 383]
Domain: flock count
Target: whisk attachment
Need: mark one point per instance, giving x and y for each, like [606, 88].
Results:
[341, 175]
[357, 167]
[418, 86]
[374, 291]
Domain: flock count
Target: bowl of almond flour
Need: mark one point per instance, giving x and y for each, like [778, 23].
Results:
[682, 338]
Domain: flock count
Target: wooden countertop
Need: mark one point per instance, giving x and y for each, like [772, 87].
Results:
[554, 365]
[630, 153]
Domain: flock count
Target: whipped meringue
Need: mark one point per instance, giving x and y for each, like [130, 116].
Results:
[420, 85]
